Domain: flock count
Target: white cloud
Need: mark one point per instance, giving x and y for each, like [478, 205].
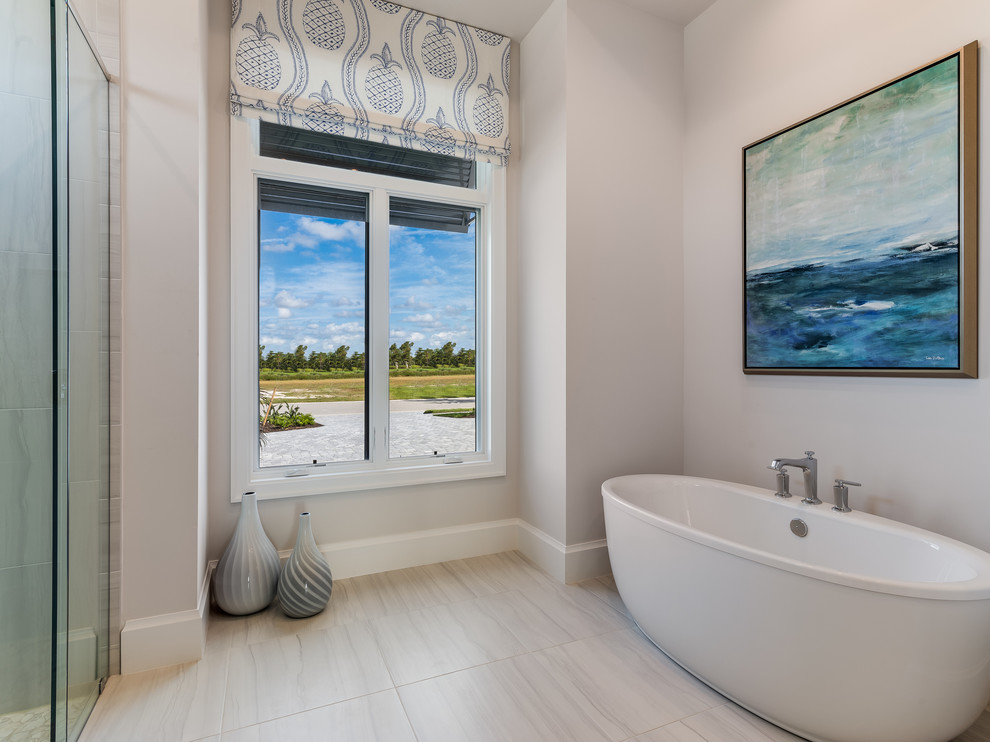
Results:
[442, 338]
[412, 303]
[284, 299]
[307, 241]
[346, 232]
[272, 341]
[423, 319]
[277, 246]
[284, 313]
[346, 327]
[288, 243]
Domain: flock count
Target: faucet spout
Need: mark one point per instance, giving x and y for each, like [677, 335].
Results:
[809, 467]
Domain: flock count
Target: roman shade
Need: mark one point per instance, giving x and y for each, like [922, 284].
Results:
[372, 70]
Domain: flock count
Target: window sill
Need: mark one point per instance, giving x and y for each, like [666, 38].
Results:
[318, 480]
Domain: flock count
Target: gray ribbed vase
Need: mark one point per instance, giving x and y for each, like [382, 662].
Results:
[305, 584]
[246, 577]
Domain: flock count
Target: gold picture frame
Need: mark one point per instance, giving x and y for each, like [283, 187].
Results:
[861, 232]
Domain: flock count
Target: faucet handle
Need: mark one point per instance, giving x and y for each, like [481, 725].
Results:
[783, 482]
[841, 492]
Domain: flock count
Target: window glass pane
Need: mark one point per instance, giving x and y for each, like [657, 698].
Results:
[312, 325]
[432, 318]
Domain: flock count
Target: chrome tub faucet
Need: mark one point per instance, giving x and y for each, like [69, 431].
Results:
[809, 467]
[841, 492]
[783, 482]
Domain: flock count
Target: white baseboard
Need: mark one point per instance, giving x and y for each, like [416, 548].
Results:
[370, 556]
[373, 555]
[174, 638]
[567, 564]
[169, 639]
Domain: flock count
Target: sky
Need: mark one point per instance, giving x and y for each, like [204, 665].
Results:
[311, 285]
[878, 172]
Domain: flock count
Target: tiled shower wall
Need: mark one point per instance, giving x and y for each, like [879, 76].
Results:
[101, 19]
[25, 356]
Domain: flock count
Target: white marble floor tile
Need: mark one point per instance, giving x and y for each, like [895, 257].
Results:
[979, 732]
[373, 718]
[227, 632]
[26, 725]
[224, 632]
[482, 649]
[422, 644]
[730, 722]
[579, 612]
[474, 705]
[173, 704]
[539, 692]
[448, 584]
[474, 579]
[676, 732]
[605, 589]
[548, 617]
[284, 676]
[630, 685]
[530, 623]
[400, 591]
[510, 570]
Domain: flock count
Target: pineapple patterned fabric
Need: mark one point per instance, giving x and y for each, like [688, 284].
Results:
[372, 69]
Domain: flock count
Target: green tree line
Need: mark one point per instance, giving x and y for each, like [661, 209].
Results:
[399, 356]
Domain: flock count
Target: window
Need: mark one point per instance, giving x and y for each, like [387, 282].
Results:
[367, 315]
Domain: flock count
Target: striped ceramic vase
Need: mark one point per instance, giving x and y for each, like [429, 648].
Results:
[305, 584]
[246, 577]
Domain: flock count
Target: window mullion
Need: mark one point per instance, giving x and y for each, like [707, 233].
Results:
[377, 349]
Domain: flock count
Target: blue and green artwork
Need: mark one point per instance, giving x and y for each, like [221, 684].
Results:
[852, 256]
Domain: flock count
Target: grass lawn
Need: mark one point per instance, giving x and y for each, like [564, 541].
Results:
[352, 390]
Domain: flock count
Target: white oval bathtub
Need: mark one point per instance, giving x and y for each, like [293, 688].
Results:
[864, 630]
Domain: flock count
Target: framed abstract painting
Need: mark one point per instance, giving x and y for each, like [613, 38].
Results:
[861, 233]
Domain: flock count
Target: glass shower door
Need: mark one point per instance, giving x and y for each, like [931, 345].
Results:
[82, 443]
[54, 380]
[26, 405]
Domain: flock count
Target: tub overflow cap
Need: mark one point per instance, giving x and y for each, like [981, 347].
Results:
[799, 527]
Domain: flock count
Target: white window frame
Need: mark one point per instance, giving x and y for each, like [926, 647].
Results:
[247, 166]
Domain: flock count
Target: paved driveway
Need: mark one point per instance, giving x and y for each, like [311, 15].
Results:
[341, 435]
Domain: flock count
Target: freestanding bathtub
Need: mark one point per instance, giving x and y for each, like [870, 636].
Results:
[863, 630]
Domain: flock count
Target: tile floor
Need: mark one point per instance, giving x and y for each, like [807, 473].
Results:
[482, 649]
